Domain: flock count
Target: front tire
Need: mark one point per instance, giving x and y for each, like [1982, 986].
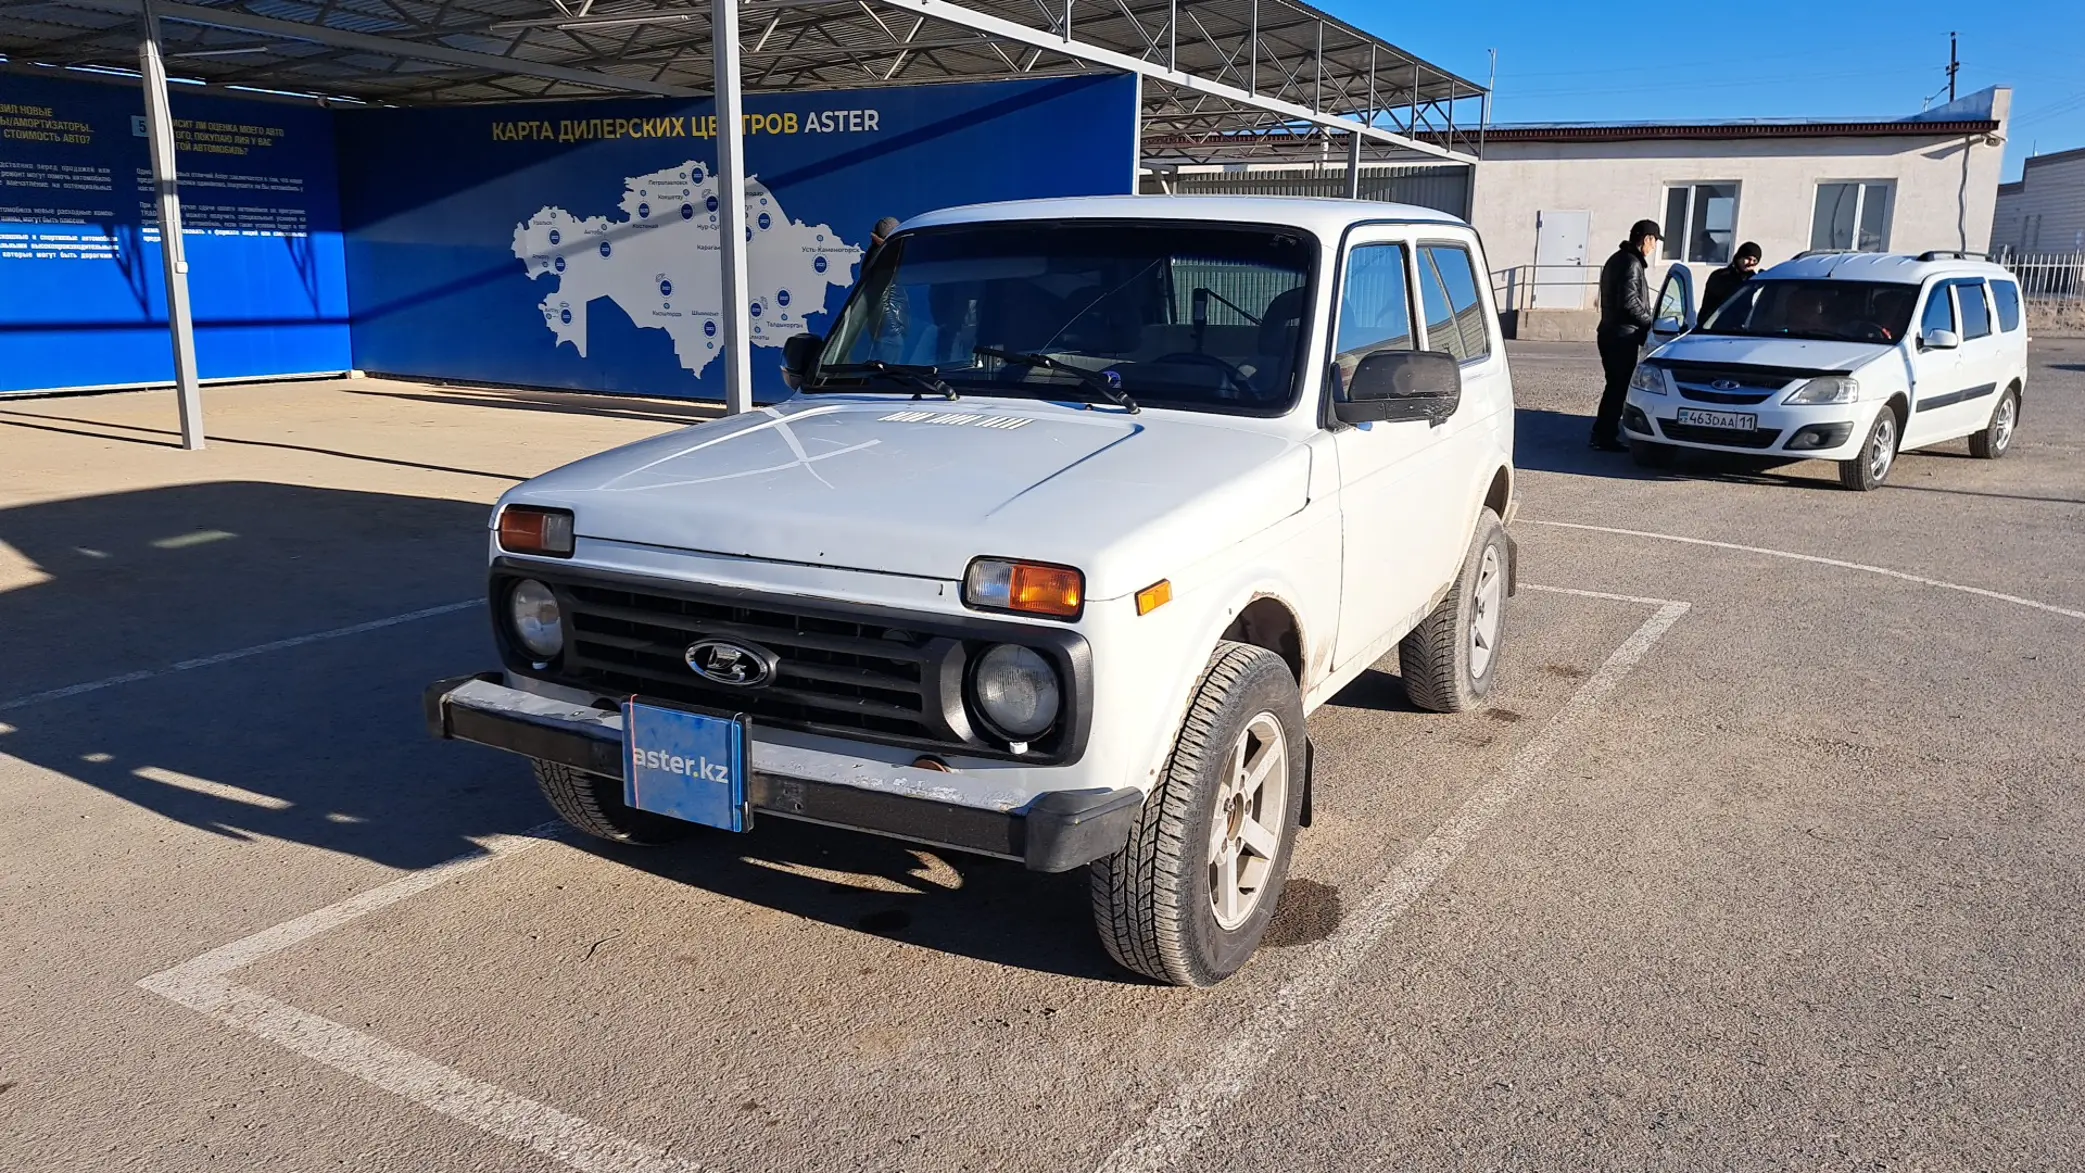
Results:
[1997, 436]
[1188, 898]
[1448, 661]
[1878, 454]
[593, 803]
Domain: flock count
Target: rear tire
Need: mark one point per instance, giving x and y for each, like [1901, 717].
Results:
[1188, 898]
[1651, 454]
[1878, 454]
[1997, 436]
[1449, 660]
[593, 803]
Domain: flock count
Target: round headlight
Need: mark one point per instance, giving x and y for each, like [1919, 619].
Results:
[1016, 691]
[533, 611]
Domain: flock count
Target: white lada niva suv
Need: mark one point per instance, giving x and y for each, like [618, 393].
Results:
[1078, 511]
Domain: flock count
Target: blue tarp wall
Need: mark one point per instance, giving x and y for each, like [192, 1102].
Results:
[82, 293]
[568, 245]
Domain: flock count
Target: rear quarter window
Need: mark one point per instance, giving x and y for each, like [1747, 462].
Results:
[2006, 296]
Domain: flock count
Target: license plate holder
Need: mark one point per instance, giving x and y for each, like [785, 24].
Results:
[1730, 421]
[687, 763]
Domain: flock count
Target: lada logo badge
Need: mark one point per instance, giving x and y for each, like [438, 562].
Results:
[1725, 384]
[730, 662]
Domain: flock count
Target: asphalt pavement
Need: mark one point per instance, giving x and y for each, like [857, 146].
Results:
[1766, 856]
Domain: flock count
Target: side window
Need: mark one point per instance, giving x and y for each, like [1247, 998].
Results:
[2007, 296]
[1375, 311]
[1459, 279]
[1940, 311]
[1976, 317]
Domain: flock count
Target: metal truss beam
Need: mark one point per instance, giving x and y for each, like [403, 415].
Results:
[226, 18]
[1007, 30]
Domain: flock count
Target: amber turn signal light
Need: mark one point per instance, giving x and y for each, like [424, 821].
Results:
[525, 529]
[1152, 597]
[1029, 588]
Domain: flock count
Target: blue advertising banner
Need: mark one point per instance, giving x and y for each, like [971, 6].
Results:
[574, 245]
[82, 293]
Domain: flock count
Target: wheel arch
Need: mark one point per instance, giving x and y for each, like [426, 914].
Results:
[1269, 622]
[1499, 497]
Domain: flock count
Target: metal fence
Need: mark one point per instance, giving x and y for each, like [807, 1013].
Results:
[1444, 189]
[2048, 277]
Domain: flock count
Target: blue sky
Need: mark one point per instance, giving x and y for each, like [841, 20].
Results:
[1757, 58]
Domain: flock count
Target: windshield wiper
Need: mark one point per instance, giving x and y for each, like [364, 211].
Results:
[1096, 381]
[920, 378]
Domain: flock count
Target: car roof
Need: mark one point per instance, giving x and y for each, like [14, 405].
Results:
[1326, 217]
[1899, 268]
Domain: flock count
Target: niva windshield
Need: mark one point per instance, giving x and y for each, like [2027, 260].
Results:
[1837, 311]
[1204, 317]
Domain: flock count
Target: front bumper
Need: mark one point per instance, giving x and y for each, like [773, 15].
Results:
[1824, 432]
[1054, 831]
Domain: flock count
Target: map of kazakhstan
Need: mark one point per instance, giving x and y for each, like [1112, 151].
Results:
[659, 262]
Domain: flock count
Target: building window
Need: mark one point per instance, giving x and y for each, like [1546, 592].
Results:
[1701, 222]
[1852, 216]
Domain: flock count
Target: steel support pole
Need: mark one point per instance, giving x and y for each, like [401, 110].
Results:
[1353, 166]
[737, 323]
[159, 134]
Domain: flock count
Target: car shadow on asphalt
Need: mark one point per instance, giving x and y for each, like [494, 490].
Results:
[132, 602]
[991, 910]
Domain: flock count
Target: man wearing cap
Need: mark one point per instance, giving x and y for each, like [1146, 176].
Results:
[1729, 279]
[1625, 317]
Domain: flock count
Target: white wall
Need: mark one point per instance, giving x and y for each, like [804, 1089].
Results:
[2046, 214]
[1622, 182]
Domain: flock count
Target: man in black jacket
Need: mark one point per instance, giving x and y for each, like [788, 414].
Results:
[1729, 279]
[1625, 317]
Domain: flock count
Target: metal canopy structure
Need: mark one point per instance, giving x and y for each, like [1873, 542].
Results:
[1219, 79]
[1222, 79]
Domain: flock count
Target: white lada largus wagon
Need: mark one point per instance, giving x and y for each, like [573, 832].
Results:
[1080, 509]
[1849, 357]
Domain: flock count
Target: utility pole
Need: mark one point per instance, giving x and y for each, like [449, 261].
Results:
[1954, 66]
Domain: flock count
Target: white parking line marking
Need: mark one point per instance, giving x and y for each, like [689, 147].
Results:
[205, 984]
[1822, 561]
[294, 641]
[1173, 1128]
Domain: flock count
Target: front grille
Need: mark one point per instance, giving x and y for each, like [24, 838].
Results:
[1704, 395]
[832, 676]
[1764, 380]
[1727, 437]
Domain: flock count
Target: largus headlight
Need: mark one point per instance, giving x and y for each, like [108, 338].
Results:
[1648, 379]
[1826, 389]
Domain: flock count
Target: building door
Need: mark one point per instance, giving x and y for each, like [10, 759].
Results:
[1559, 279]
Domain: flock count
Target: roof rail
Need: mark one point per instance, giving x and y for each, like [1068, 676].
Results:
[1823, 252]
[1954, 254]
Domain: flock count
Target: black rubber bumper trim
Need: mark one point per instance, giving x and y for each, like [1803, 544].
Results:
[1058, 831]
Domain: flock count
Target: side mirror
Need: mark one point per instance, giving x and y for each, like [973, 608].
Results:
[799, 352]
[1940, 340]
[1668, 325]
[1391, 386]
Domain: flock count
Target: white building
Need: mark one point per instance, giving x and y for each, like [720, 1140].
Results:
[1554, 199]
[2045, 211]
